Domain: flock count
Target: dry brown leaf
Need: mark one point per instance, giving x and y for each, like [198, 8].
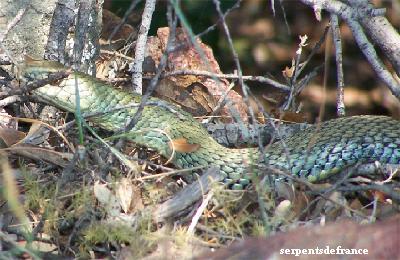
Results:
[136, 201]
[124, 193]
[356, 205]
[107, 199]
[35, 121]
[299, 203]
[110, 21]
[284, 209]
[181, 145]
[293, 117]
[381, 197]
[188, 58]
[288, 72]
[195, 98]
[336, 205]
[11, 136]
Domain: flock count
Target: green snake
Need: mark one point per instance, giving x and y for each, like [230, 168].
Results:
[315, 153]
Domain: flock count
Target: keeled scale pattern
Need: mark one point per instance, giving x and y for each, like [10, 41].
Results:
[315, 153]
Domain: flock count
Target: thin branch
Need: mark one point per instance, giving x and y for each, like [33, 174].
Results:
[200, 73]
[137, 68]
[314, 50]
[235, 58]
[337, 42]
[381, 32]
[9, 100]
[81, 29]
[369, 52]
[350, 16]
[185, 24]
[124, 19]
[161, 67]
[212, 27]
[387, 189]
[220, 19]
[199, 212]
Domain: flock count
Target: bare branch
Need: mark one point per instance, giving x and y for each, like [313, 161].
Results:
[161, 67]
[124, 19]
[350, 16]
[380, 30]
[260, 79]
[137, 68]
[236, 59]
[337, 42]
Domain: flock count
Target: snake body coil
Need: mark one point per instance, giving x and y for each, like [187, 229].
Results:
[315, 153]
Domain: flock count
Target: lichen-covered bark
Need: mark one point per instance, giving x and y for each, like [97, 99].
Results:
[29, 35]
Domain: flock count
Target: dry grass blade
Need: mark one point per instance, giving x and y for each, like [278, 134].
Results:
[11, 193]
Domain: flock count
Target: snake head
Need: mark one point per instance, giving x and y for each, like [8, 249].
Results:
[33, 69]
